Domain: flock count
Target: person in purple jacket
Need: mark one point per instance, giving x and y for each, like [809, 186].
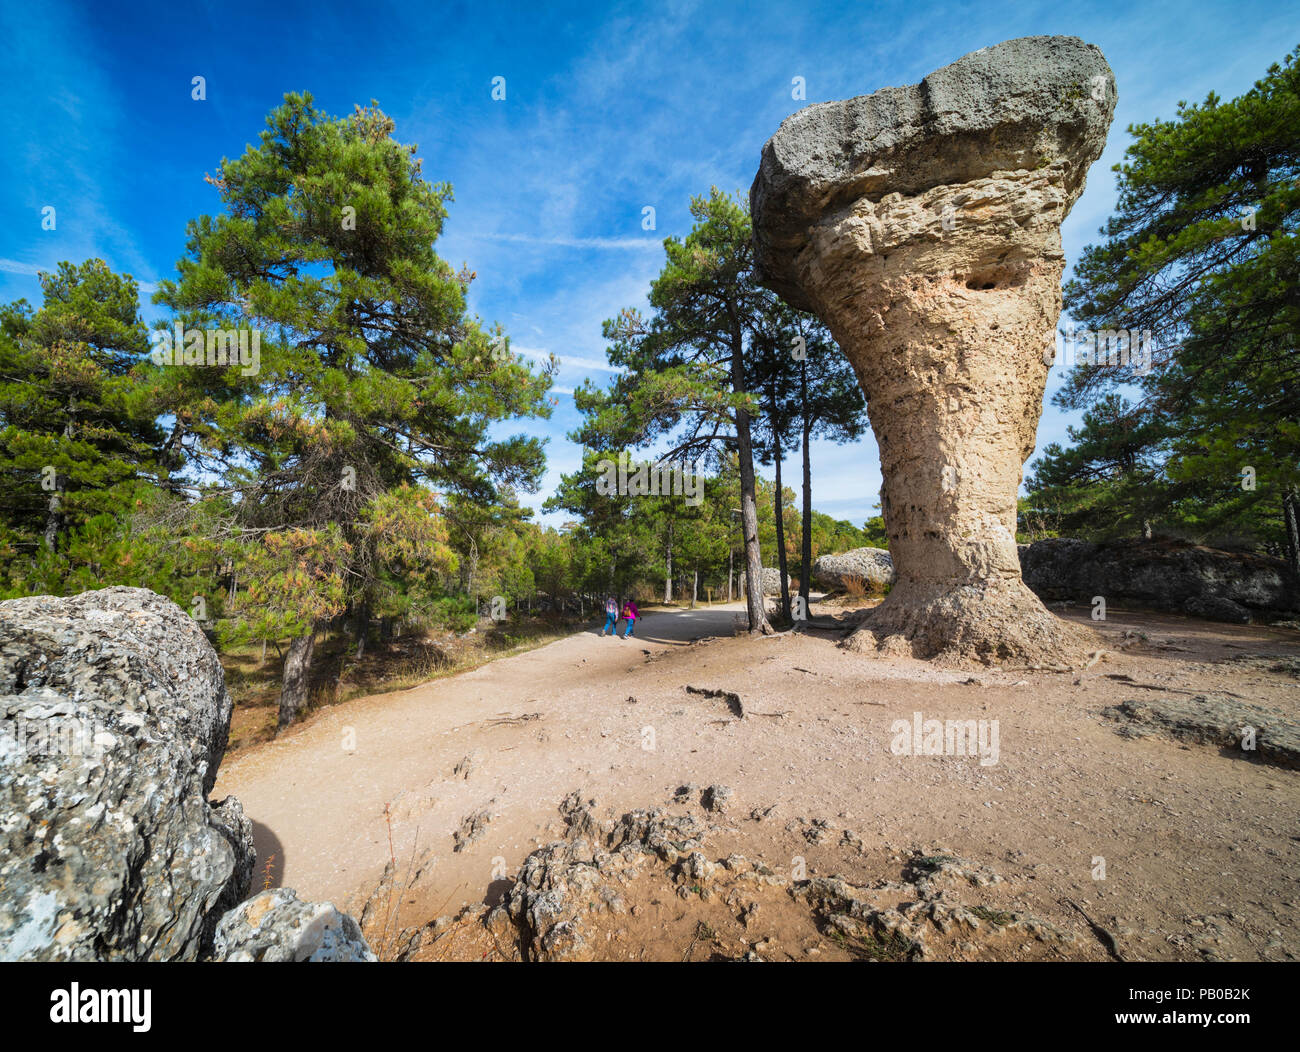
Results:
[631, 613]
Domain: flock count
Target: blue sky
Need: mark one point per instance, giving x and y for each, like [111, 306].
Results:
[607, 110]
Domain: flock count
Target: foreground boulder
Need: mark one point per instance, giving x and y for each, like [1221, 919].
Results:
[873, 567]
[1173, 576]
[277, 926]
[922, 225]
[113, 719]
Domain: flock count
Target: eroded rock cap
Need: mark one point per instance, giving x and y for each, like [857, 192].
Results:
[1019, 105]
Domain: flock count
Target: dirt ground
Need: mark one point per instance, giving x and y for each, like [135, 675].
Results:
[1142, 848]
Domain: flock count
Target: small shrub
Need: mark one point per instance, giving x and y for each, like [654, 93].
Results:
[997, 918]
[856, 587]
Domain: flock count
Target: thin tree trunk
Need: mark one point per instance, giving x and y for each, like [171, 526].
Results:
[53, 510]
[748, 500]
[695, 589]
[805, 527]
[782, 563]
[296, 679]
[52, 519]
[1291, 518]
[362, 627]
[668, 580]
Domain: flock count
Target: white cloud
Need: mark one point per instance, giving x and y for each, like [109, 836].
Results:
[569, 242]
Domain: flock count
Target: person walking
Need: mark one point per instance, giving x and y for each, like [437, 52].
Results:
[631, 613]
[611, 616]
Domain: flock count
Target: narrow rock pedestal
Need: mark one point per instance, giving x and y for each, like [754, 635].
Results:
[922, 224]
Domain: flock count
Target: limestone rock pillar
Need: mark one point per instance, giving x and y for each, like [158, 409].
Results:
[922, 224]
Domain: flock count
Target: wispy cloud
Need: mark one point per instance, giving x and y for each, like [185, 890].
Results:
[12, 266]
[636, 243]
[31, 270]
[567, 359]
[642, 105]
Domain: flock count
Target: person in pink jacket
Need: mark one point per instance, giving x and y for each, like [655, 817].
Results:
[631, 613]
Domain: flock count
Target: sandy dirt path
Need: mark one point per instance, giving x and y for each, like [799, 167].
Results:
[1201, 844]
[317, 794]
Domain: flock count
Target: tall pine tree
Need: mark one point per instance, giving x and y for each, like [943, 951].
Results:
[374, 387]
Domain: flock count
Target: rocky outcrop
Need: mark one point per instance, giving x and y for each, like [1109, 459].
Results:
[1172, 576]
[911, 919]
[563, 886]
[1239, 728]
[277, 926]
[922, 224]
[574, 899]
[771, 578]
[113, 720]
[871, 566]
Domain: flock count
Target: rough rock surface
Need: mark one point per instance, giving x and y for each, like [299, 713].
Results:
[276, 926]
[719, 798]
[872, 566]
[1178, 577]
[560, 886]
[571, 895]
[1238, 727]
[895, 921]
[113, 719]
[922, 224]
[771, 578]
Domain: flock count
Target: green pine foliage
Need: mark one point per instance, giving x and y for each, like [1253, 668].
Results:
[374, 389]
[1202, 252]
[79, 439]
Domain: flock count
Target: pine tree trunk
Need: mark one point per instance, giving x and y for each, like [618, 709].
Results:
[668, 580]
[748, 500]
[695, 589]
[1291, 519]
[297, 677]
[781, 561]
[362, 627]
[52, 518]
[805, 529]
[53, 512]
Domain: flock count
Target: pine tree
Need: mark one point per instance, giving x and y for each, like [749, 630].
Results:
[684, 368]
[1202, 253]
[808, 388]
[79, 446]
[373, 389]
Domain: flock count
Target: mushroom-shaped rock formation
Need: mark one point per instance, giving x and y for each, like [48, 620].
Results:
[922, 224]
